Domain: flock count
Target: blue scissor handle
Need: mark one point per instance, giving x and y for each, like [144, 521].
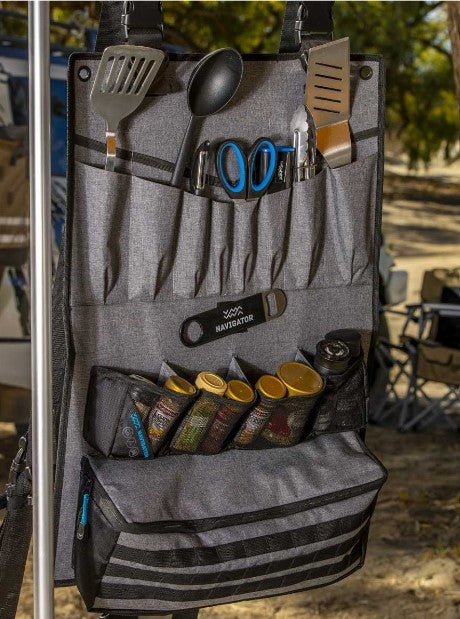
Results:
[256, 186]
[247, 185]
[238, 190]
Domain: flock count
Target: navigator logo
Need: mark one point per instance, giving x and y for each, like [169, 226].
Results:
[233, 312]
[234, 319]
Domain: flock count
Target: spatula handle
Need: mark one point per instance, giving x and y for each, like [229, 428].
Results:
[111, 152]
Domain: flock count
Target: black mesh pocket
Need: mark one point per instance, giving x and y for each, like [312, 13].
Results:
[276, 423]
[207, 425]
[129, 417]
[343, 405]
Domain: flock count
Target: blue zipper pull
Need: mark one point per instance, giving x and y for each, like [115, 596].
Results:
[84, 513]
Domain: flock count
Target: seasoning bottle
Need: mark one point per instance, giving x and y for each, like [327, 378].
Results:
[299, 378]
[227, 415]
[272, 389]
[141, 397]
[332, 357]
[351, 337]
[198, 420]
[167, 410]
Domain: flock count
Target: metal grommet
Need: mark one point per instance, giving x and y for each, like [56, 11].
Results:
[366, 73]
[84, 73]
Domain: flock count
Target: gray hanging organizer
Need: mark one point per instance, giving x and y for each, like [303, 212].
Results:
[140, 256]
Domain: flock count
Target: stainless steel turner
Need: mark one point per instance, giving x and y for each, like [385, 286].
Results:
[327, 97]
[123, 78]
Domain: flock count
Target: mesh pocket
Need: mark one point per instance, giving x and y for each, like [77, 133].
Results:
[343, 404]
[276, 423]
[128, 416]
[208, 424]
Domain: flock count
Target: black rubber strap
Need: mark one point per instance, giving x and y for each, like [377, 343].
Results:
[310, 21]
[15, 535]
[136, 22]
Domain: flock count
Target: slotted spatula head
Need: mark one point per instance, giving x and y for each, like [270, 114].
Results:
[122, 80]
[327, 96]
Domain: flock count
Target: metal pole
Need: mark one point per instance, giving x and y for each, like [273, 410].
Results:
[40, 217]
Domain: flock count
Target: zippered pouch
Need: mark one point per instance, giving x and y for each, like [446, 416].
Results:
[177, 533]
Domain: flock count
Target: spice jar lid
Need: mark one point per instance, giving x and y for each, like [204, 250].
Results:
[271, 387]
[211, 382]
[180, 385]
[240, 391]
[299, 378]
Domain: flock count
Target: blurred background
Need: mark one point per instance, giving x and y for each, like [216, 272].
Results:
[414, 555]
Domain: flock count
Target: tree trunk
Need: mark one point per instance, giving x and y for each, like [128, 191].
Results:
[453, 12]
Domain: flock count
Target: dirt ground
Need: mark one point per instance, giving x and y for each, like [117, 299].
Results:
[413, 562]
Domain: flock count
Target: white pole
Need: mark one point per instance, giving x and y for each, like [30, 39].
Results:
[40, 254]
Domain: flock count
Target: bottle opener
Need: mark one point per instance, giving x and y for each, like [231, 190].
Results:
[232, 317]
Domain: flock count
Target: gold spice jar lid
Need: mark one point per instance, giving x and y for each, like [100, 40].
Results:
[271, 387]
[180, 385]
[211, 382]
[299, 378]
[240, 391]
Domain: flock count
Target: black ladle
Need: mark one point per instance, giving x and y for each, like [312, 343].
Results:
[211, 86]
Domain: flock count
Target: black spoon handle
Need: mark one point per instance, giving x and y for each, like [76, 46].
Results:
[184, 153]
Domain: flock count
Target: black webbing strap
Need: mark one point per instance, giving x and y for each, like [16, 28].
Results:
[16, 531]
[305, 22]
[136, 22]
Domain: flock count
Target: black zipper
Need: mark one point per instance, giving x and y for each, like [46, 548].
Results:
[111, 513]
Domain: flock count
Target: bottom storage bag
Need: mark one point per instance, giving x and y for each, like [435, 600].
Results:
[191, 531]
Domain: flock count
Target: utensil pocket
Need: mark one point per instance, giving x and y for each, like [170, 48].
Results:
[129, 417]
[177, 533]
[350, 206]
[343, 405]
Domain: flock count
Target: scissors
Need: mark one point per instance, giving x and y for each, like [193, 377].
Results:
[248, 185]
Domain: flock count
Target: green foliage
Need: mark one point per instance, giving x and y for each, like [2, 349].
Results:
[251, 27]
[421, 108]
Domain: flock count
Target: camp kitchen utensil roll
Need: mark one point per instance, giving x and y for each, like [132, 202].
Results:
[123, 78]
[211, 86]
[327, 97]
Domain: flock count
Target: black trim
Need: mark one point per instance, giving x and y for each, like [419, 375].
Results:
[206, 578]
[168, 166]
[127, 592]
[256, 546]
[257, 596]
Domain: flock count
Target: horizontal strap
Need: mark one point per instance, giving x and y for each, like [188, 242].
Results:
[188, 557]
[120, 591]
[336, 550]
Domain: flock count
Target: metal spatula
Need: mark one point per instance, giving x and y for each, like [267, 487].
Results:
[123, 78]
[327, 97]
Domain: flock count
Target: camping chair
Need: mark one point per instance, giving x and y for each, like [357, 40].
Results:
[392, 365]
[429, 361]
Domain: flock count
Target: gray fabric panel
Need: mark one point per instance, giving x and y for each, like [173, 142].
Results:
[191, 489]
[205, 587]
[161, 605]
[242, 563]
[318, 233]
[267, 88]
[152, 335]
[166, 541]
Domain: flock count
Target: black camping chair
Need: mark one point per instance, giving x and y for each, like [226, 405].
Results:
[430, 361]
